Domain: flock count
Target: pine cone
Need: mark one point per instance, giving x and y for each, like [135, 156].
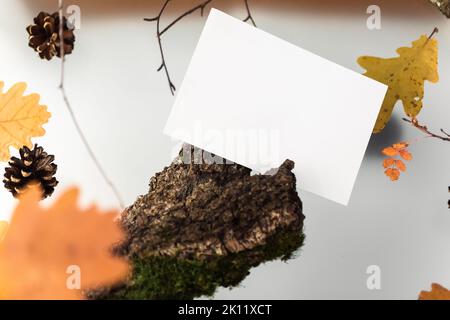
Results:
[44, 36]
[34, 166]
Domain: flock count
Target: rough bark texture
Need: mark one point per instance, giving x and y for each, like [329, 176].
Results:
[205, 225]
[443, 5]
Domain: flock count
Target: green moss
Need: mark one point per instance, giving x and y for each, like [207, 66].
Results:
[180, 279]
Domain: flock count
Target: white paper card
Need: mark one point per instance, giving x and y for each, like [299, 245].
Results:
[257, 100]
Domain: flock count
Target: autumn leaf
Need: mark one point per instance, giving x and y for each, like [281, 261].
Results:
[405, 75]
[400, 165]
[389, 162]
[390, 151]
[43, 244]
[405, 155]
[3, 228]
[437, 292]
[392, 173]
[400, 145]
[392, 165]
[21, 117]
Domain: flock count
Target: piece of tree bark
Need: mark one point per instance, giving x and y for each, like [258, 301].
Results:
[443, 5]
[205, 225]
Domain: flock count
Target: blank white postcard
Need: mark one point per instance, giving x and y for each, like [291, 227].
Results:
[257, 100]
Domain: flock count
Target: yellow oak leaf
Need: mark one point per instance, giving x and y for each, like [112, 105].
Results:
[21, 117]
[405, 75]
[437, 292]
[59, 251]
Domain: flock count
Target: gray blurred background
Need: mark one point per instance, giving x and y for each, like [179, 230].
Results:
[122, 103]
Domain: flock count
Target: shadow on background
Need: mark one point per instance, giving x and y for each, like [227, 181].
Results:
[391, 134]
[103, 8]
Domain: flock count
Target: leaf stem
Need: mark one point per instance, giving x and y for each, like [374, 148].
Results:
[435, 31]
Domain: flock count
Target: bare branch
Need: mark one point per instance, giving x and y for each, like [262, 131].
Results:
[161, 50]
[249, 14]
[161, 31]
[200, 7]
[72, 113]
[448, 135]
[415, 123]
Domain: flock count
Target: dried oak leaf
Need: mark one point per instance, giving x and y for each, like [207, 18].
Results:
[437, 292]
[3, 228]
[42, 243]
[21, 117]
[405, 75]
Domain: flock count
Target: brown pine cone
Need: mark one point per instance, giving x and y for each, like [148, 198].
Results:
[34, 166]
[44, 36]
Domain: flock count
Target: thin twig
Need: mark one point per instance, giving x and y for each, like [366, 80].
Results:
[415, 123]
[200, 7]
[435, 30]
[72, 113]
[161, 31]
[249, 14]
[161, 50]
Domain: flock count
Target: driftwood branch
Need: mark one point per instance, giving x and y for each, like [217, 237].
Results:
[160, 31]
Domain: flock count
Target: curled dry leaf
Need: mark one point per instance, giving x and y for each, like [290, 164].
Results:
[21, 117]
[437, 292]
[42, 243]
[405, 75]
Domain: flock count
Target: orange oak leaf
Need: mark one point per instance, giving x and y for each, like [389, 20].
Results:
[405, 155]
[21, 117]
[400, 165]
[46, 250]
[389, 162]
[437, 292]
[390, 151]
[392, 173]
[3, 228]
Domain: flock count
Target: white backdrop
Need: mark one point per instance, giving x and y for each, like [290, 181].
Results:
[122, 104]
